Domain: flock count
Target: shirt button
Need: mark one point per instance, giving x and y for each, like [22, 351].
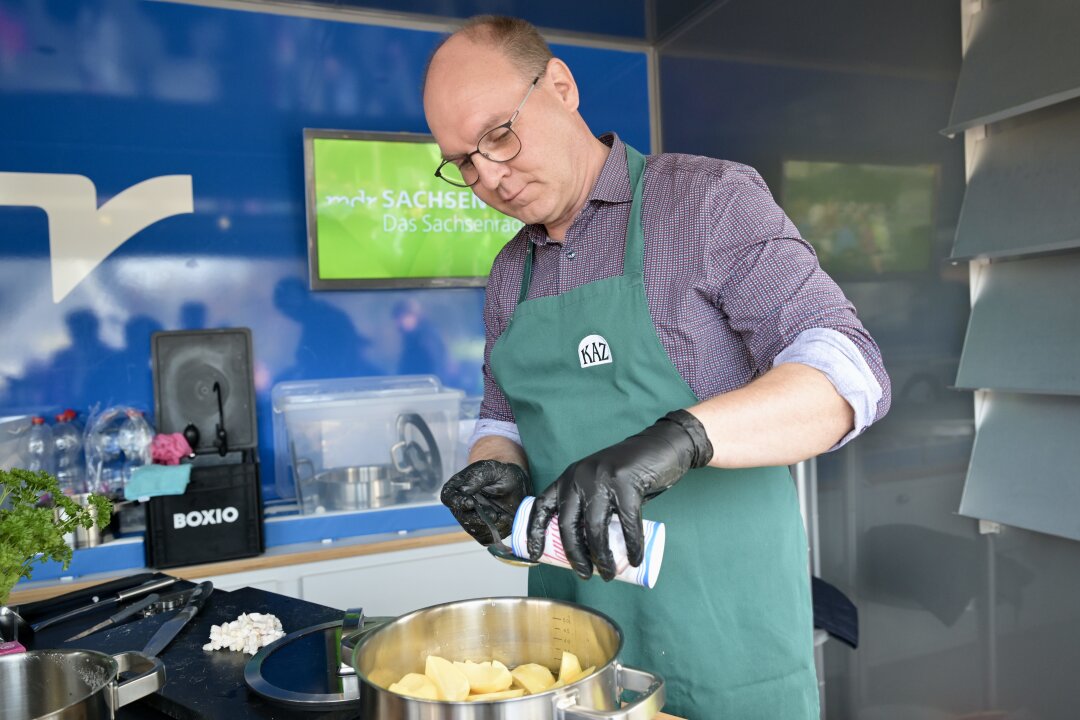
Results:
[571, 255]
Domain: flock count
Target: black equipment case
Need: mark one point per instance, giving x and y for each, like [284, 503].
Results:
[204, 388]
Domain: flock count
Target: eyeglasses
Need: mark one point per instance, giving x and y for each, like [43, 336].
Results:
[499, 144]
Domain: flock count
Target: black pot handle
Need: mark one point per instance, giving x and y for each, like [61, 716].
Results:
[434, 470]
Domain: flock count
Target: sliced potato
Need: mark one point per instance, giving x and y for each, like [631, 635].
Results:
[533, 677]
[569, 668]
[502, 695]
[485, 677]
[416, 685]
[451, 682]
[382, 677]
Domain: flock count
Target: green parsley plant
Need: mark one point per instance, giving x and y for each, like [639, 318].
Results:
[31, 532]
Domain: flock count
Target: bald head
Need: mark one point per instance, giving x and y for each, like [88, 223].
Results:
[518, 40]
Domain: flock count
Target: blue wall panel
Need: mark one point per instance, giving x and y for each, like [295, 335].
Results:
[124, 91]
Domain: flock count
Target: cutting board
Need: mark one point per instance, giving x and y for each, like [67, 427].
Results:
[205, 685]
[199, 685]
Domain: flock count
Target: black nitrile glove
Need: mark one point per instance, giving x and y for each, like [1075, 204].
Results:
[501, 487]
[617, 480]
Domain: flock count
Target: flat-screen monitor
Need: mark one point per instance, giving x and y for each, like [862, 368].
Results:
[864, 220]
[379, 218]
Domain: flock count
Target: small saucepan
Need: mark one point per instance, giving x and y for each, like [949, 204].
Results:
[74, 684]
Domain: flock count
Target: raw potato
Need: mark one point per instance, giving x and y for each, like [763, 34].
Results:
[569, 669]
[485, 677]
[416, 685]
[383, 677]
[534, 678]
[455, 681]
[504, 695]
[451, 682]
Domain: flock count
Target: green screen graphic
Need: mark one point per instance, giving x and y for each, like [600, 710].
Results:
[381, 214]
[864, 220]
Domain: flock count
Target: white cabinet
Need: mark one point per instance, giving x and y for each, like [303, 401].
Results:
[391, 583]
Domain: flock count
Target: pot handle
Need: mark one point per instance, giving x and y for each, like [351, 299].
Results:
[353, 627]
[650, 689]
[150, 679]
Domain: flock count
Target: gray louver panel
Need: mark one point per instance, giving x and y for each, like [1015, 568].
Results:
[1025, 466]
[1024, 331]
[1024, 55]
[1024, 196]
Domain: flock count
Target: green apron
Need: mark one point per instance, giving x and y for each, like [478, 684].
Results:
[729, 623]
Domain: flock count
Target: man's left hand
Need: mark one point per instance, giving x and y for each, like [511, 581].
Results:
[617, 481]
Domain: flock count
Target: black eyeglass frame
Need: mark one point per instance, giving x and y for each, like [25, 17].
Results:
[508, 125]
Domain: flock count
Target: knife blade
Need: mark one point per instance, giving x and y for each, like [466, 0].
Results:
[119, 598]
[176, 623]
[117, 618]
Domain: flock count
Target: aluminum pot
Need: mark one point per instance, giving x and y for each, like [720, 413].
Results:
[74, 684]
[357, 488]
[514, 631]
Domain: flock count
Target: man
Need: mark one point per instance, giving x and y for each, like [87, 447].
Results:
[671, 287]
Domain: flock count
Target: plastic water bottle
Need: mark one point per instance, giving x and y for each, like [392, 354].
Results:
[39, 446]
[135, 438]
[67, 440]
[117, 440]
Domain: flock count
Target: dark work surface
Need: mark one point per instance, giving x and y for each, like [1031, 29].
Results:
[201, 685]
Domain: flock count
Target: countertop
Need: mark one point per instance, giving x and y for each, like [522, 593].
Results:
[279, 556]
[204, 685]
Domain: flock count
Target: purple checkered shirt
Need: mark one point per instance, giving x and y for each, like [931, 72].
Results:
[732, 287]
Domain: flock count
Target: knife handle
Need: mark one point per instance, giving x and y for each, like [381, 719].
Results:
[145, 588]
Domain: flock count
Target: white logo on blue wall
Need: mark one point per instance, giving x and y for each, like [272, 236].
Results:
[81, 234]
[593, 350]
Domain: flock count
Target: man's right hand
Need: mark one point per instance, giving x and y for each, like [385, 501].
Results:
[500, 486]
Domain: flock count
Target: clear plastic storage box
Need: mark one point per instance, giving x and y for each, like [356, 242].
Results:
[364, 443]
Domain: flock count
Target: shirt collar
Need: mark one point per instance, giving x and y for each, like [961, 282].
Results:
[612, 186]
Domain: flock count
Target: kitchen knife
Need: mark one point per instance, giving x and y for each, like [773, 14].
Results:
[132, 609]
[175, 624]
[121, 596]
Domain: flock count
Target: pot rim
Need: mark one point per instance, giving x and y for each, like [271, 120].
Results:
[369, 635]
[109, 660]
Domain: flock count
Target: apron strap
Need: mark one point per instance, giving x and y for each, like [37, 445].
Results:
[634, 255]
[526, 275]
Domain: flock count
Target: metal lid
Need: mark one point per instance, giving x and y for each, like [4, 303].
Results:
[304, 670]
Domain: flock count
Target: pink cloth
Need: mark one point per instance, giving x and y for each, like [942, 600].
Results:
[169, 449]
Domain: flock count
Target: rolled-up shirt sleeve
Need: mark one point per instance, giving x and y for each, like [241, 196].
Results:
[769, 284]
[841, 362]
[486, 427]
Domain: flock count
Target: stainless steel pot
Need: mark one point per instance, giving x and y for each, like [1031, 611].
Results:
[514, 631]
[357, 488]
[74, 684]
